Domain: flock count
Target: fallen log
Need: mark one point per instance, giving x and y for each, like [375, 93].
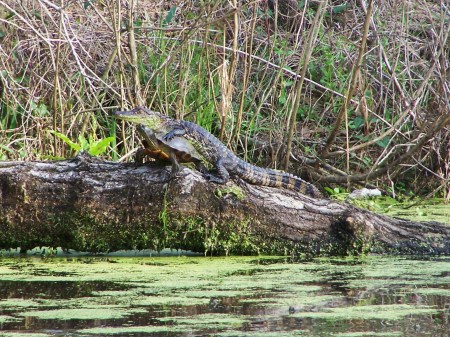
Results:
[92, 205]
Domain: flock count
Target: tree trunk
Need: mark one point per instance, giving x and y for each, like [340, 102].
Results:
[91, 205]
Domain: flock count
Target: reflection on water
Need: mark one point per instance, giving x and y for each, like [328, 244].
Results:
[247, 296]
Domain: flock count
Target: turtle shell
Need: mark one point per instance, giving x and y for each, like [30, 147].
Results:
[184, 151]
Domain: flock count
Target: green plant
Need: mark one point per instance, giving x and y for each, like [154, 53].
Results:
[93, 147]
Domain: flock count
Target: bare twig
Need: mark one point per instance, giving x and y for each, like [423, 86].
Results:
[302, 67]
[351, 87]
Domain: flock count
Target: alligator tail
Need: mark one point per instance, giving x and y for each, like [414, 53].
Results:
[267, 177]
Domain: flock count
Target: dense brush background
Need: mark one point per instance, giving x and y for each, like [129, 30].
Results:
[324, 89]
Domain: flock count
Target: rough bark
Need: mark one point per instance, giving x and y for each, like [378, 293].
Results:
[92, 205]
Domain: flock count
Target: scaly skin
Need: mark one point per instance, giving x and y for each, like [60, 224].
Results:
[213, 152]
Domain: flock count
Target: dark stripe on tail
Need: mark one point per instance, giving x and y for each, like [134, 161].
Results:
[274, 179]
[299, 185]
[312, 191]
[285, 180]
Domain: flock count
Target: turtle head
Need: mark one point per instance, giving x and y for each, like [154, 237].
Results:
[141, 115]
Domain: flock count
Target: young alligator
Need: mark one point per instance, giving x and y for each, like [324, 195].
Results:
[213, 152]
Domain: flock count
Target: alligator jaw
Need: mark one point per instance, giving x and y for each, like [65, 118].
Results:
[120, 114]
[140, 115]
[134, 113]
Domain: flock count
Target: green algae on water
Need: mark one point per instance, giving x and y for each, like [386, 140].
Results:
[107, 331]
[6, 319]
[18, 303]
[89, 314]
[232, 333]
[224, 296]
[24, 334]
[210, 320]
[368, 334]
[389, 312]
[432, 291]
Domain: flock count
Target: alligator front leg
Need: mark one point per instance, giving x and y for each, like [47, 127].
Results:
[222, 174]
[176, 132]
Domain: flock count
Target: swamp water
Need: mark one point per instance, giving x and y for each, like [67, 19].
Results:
[225, 296]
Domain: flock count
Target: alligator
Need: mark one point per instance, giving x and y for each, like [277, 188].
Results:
[211, 152]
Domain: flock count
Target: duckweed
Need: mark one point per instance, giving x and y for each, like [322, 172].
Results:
[107, 331]
[84, 313]
[246, 296]
[7, 319]
[368, 334]
[21, 334]
[210, 320]
[389, 312]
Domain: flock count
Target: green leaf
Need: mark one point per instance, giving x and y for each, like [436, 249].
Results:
[100, 146]
[66, 140]
[83, 142]
[36, 14]
[7, 149]
[40, 110]
[301, 4]
[383, 142]
[282, 98]
[339, 9]
[87, 4]
[329, 190]
[169, 16]
[357, 122]
[387, 115]
[288, 83]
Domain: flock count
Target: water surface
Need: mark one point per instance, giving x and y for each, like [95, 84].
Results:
[228, 296]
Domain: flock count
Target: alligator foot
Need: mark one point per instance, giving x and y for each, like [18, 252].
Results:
[213, 178]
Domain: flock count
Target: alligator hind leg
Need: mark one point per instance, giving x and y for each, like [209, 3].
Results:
[222, 174]
[201, 168]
